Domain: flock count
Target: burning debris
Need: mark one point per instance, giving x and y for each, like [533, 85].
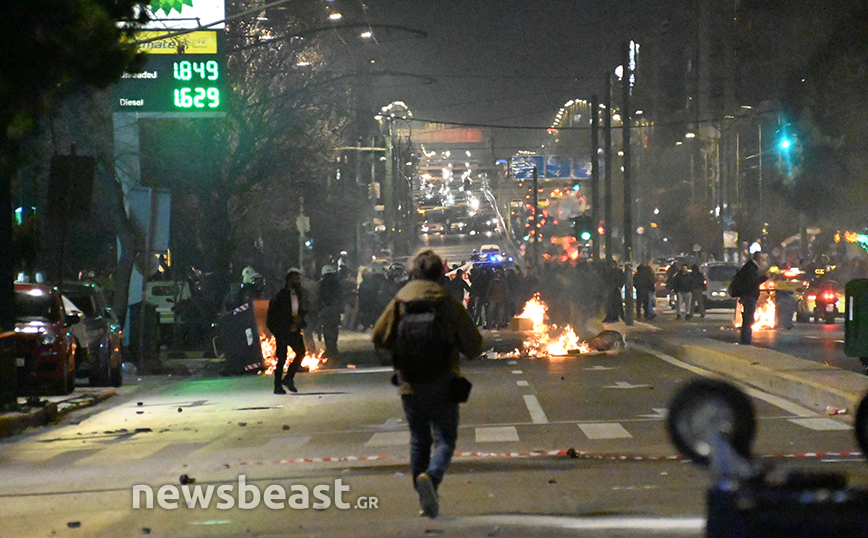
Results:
[551, 341]
[310, 362]
[766, 311]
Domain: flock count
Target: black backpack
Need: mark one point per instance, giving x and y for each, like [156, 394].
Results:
[421, 351]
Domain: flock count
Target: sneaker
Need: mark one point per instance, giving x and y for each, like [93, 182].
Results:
[427, 496]
[288, 383]
[279, 390]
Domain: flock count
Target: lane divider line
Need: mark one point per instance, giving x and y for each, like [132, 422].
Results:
[537, 415]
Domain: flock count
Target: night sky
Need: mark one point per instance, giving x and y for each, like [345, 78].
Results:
[502, 62]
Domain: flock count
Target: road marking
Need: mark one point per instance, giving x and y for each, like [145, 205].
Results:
[537, 415]
[496, 434]
[598, 368]
[611, 430]
[389, 439]
[517, 372]
[820, 424]
[659, 412]
[624, 385]
[522, 383]
[776, 401]
[584, 523]
[512, 363]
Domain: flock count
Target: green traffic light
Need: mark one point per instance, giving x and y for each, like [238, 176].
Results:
[585, 236]
[785, 143]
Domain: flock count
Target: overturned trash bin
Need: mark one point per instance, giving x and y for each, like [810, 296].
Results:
[238, 336]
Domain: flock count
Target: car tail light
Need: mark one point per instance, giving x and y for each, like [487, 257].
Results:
[812, 296]
[829, 296]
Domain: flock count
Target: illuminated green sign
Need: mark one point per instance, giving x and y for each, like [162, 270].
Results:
[175, 83]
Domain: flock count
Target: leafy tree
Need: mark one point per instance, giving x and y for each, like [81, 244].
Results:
[57, 47]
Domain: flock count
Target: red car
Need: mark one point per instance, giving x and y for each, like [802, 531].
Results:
[44, 346]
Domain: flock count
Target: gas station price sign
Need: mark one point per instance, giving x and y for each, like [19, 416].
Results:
[185, 74]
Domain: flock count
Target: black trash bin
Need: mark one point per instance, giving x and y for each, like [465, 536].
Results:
[238, 334]
[856, 320]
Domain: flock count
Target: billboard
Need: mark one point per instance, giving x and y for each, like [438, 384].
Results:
[183, 74]
[549, 167]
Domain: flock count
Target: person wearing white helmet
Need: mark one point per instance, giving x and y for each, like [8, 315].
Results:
[285, 319]
[329, 303]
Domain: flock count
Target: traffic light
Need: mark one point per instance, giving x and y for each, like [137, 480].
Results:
[583, 227]
[789, 149]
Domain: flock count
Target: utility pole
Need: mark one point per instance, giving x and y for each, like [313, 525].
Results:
[388, 193]
[535, 199]
[607, 157]
[595, 176]
[628, 188]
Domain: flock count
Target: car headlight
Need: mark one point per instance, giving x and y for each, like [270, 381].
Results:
[48, 337]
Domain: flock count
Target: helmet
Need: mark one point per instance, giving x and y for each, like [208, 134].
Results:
[328, 269]
[248, 275]
[293, 270]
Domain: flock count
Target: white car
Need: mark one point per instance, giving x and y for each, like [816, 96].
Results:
[429, 228]
[718, 275]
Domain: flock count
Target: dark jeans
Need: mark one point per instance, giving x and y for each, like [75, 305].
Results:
[296, 342]
[644, 299]
[433, 419]
[748, 305]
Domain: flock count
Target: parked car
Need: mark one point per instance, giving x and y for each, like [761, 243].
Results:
[718, 275]
[44, 346]
[98, 335]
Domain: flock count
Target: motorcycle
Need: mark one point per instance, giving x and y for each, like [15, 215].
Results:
[825, 303]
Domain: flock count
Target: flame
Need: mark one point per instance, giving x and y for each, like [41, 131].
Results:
[269, 356]
[535, 310]
[541, 343]
[765, 316]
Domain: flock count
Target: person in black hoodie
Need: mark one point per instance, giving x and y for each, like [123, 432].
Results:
[644, 281]
[285, 319]
[745, 285]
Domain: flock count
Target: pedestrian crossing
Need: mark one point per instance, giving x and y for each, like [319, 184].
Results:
[631, 436]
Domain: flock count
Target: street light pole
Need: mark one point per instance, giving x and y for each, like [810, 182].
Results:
[628, 184]
[607, 157]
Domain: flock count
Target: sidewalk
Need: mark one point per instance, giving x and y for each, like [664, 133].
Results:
[813, 385]
[50, 409]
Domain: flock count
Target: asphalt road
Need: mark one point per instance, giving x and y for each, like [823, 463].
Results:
[511, 475]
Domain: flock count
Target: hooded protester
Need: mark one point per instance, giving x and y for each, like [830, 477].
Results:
[426, 375]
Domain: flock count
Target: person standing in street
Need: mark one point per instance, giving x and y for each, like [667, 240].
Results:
[746, 286]
[615, 280]
[682, 285]
[644, 281]
[285, 319]
[329, 301]
[425, 374]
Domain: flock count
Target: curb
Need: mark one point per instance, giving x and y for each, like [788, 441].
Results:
[13, 422]
[814, 385]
